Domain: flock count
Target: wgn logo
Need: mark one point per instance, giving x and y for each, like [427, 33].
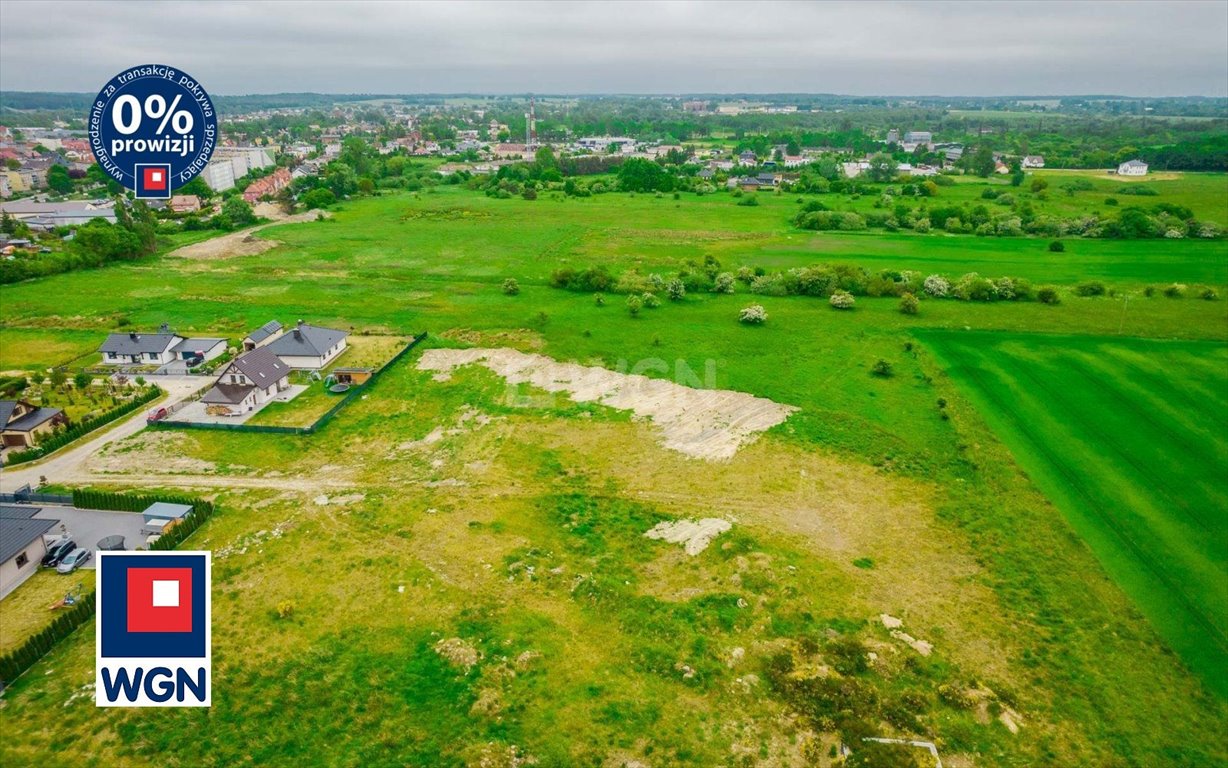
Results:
[153, 629]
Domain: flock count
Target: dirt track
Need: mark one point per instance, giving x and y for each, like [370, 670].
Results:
[240, 243]
[709, 424]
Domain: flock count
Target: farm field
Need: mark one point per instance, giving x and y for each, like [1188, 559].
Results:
[451, 574]
[1129, 438]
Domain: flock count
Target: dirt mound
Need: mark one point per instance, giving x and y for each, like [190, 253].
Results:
[707, 424]
[241, 243]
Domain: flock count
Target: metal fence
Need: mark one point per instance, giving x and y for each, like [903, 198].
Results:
[23, 496]
[318, 424]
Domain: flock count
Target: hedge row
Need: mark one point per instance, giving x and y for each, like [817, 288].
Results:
[24, 656]
[21, 658]
[61, 439]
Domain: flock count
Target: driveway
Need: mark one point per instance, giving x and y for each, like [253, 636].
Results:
[67, 463]
[89, 526]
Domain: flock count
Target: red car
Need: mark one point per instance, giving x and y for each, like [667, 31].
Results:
[157, 414]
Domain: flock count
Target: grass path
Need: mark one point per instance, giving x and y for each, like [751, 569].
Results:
[1129, 438]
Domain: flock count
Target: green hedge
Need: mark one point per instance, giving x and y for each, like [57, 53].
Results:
[57, 441]
[24, 656]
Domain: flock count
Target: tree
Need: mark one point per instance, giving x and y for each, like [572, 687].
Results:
[58, 179]
[319, 198]
[82, 380]
[58, 377]
[511, 287]
[641, 175]
[237, 213]
[882, 168]
[982, 163]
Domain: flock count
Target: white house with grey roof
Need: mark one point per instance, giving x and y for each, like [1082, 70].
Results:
[205, 348]
[140, 348]
[263, 336]
[1132, 168]
[22, 545]
[309, 347]
[251, 379]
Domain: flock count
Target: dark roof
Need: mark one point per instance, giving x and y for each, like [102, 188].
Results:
[18, 511]
[33, 419]
[228, 394]
[264, 331]
[262, 366]
[306, 341]
[138, 343]
[201, 345]
[6, 411]
[17, 533]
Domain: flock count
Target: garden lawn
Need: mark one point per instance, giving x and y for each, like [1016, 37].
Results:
[1129, 438]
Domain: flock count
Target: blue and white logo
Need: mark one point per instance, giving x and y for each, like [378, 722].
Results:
[154, 636]
[150, 118]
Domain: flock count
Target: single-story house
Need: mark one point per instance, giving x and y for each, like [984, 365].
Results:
[22, 424]
[22, 545]
[251, 379]
[1032, 161]
[206, 348]
[309, 346]
[1132, 168]
[160, 514]
[140, 348]
[263, 335]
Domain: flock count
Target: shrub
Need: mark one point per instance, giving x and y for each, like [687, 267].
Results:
[82, 380]
[755, 314]
[634, 305]
[842, 300]
[285, 609]
[749, 200]
[1175, 291]
[651, 301]
[1057, 246]
[1209, 294]
[599, 299]
[973, 287]
[511, 287]
[1048, 295]
[882, 369]
[589, 280]
[676, 289]
[1110, 201]
[724, 283]
[1090, 288]
[909, 305]
[745, 274]
[1149, 291]
[937, 286]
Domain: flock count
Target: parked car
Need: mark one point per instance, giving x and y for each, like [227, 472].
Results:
[57, 552]
[157, 414]
[75, 560]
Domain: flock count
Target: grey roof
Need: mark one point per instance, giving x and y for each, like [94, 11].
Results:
[138, 343]
[17, 533]
[262, 366]
[166, 510]
[201, 345]
[227, 394]
[6, 411]
[1134, 163]
[18, 511]
[33, 419]
[264, 331]
[306, 341]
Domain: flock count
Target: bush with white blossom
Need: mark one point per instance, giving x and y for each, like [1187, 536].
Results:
[842, 300]
[755, 314]
[937, 286]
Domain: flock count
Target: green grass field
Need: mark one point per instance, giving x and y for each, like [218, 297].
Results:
[521, 533]
[1129, 438]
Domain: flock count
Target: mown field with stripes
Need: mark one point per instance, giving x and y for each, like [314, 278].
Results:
[1129, 439]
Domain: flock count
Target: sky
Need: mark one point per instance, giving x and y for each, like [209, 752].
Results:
[859, 48]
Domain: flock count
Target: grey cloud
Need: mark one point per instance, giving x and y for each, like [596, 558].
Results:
[897, 48]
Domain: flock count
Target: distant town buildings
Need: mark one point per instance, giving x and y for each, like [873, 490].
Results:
[1132, 168]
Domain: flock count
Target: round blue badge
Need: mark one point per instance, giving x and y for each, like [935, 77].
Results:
[153, 129]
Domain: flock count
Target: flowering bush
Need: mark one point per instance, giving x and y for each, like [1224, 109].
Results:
[651, 301]
[723, 283]
[676, 289]
[937, 286]
[842, 300]
[909, 304]
[755, 314]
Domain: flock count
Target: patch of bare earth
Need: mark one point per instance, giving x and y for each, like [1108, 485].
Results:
[148, 452]
[241, 243]
[709, 424]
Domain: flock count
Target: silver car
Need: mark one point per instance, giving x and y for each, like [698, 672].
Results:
[75, 560]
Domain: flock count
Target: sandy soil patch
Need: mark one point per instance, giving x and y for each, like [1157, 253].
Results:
[709, 424]
[694, 535]
[150, 452]
[241, 243]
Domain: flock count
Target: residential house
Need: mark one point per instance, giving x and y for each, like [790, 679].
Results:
[309, 346]
[1032, 161]
[251, 379]
[268, 186]
[262, 336]
[1132, 168]
[140, 348]
[23, 424]
[204, 348]
[185, 203]
[22, 545]
[748, 158]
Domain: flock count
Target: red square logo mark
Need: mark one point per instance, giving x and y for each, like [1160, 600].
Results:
[154, 179]
[159, 599]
